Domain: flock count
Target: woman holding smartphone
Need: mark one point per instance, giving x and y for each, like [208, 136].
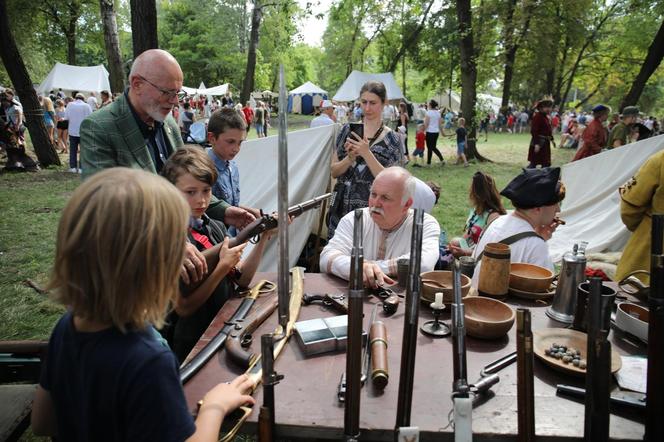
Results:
[362, 151]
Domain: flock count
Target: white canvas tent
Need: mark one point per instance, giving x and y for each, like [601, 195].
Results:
[303, 99]
[309, 154]
[350, 89]
[490, 101]
[212, 91]
[75, 78]
[592, 205]
[448, 99]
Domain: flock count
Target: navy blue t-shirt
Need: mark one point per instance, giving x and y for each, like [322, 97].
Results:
[110, 386]
[461, 134]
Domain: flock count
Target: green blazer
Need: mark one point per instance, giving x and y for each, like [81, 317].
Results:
[110, 137]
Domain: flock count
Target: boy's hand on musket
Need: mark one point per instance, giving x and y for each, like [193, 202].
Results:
[194, 267]
[229, 257]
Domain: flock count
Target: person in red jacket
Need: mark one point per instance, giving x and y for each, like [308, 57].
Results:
[539, 152]
[595, 136]
[248, 115]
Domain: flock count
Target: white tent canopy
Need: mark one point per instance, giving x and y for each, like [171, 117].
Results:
[350, 89]
[490, 101]
[448, 99]
[308, 88]
[214, 91]
[76, 78]
[592, 204]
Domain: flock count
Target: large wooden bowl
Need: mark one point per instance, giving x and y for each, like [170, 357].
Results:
[443, 283]
[530, 278]
[487, 318]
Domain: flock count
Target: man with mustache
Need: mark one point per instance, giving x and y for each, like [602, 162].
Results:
[138, 131]
[387, 228]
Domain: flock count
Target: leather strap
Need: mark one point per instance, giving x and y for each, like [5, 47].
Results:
[512, 239]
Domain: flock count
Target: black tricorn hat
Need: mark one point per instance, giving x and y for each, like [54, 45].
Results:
[535, 188]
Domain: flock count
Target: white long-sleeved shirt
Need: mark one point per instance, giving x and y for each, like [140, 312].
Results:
[531, 250]
[380, 246]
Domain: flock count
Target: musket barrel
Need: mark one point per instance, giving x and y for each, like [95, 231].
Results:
[283, 285]
[525, 381]
[354, 345]
[266, 421]
[598, 373]
[655, 386]
[409, 343]
[460, 385]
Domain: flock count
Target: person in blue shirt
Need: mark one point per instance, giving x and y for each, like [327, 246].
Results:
[108, 376]
[226, 132]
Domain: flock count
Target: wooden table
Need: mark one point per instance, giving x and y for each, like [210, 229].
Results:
[307, 405]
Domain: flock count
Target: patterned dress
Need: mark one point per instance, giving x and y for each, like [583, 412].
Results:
[352, 189]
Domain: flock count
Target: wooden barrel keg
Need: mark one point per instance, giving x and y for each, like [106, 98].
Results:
[495, 270]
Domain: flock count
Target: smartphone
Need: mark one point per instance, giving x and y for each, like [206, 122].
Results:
[357, 128]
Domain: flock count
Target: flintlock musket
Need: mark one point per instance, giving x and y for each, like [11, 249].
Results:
[255, 371]
[354, 346]
[525, 383]
[655, 385]
[240, 337]
[191, 367]
[252, 231]
[598, 373]
[409, 346]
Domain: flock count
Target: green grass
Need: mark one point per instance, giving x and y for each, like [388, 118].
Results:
[30, 205]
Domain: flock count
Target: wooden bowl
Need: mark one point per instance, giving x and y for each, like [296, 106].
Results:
[530, 278]
[443, 283]
[487, 318]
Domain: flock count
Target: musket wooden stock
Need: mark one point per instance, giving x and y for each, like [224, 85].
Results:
[378, 344]
[258, 226]
[243, 329]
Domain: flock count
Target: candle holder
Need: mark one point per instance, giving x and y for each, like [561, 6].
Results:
[435, 328]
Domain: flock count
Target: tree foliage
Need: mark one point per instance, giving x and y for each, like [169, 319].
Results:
[581, 51]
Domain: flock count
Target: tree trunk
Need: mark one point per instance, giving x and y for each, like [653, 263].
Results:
[143, 25]
[112, 43]
[75, 13]
[512, 44]
[652, 61]
[20, 78]
[248, 85]
[410, 41]
[468, 76]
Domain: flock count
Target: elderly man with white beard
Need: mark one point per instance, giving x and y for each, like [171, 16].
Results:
[387, 229]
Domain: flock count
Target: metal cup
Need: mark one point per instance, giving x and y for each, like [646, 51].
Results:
[608, 297]
[467, 265]
[402, 271]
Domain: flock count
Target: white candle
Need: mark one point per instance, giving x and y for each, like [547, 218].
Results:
[439, 298]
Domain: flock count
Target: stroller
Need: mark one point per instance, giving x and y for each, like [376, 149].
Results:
[197, 134]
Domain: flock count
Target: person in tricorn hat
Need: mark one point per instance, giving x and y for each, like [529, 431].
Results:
[595, 135]
[539, 152]
[536, 195]
[620, 133]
